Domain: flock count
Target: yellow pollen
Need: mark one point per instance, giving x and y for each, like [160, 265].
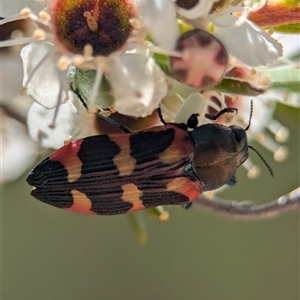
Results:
[164, 216]
[44, 16]
[265, 80]
[252, 72]
[88, 50]
[135, 23]
[39, 34]
[25, 12]
[253, 172]
[91, 21]
[68, 140]
[78, 60]
[63, 63]
[281, 154]
[102, 63]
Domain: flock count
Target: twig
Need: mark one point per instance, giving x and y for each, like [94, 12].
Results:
[246, 210]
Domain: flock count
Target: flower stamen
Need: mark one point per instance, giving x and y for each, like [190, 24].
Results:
[253, 171]
[63, 63]
[63, 79]
[88, 51]
[91, 21]
[39, 34]
[280, 152]
[43, 18]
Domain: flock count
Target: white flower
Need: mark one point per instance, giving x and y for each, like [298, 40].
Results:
[46, 63]
[138, 85]
[72, 121]
[17, 151]
[42, 83]
[159, 17]
[247, 42]
[242, 38]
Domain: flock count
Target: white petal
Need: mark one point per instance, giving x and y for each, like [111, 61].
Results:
[134, 79]
[200, 10]
[160, 85]
[247, 42]
[43, 87]
[170, 106]
[194, 103]
[159, 16]
[18, 152]
[290, 42]
[67, 124]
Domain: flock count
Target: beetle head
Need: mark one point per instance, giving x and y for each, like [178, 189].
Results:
[219, 151]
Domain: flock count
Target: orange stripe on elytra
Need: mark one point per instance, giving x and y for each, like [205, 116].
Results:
[68, 157]
[180, 147]
[81, 203]
[124, 162]
[185, 186]
[132, 194]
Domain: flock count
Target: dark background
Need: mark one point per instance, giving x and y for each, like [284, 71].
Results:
[49, 253]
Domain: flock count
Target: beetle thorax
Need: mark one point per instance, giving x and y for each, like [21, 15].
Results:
[217, 154]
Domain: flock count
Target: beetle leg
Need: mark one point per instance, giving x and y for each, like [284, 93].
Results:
[187, 205]
[232, 181]
[192, 121]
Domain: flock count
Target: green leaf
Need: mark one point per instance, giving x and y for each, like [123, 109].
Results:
[288, 28]
[234, 86]
[83, 82]
[291, 3]
[163, 62]
[287, 77]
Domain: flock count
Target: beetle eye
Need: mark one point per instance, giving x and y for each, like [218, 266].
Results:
[188, 168]
[238, 132]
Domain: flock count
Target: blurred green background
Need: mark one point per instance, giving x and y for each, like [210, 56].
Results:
[48, 253]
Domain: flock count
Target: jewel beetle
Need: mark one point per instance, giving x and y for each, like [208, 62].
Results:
[126, 172]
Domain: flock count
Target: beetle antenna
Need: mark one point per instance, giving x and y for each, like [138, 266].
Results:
[220, 113]
[122, 127]
[250, 117]
[263, 160]
[160, 116]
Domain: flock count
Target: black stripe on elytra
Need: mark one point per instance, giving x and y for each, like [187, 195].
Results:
[61, 198]
[48, 172]
[146, 146]
[51, 181]
[165, 198]
[101, 181]
[97, 153]
[110, 204]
